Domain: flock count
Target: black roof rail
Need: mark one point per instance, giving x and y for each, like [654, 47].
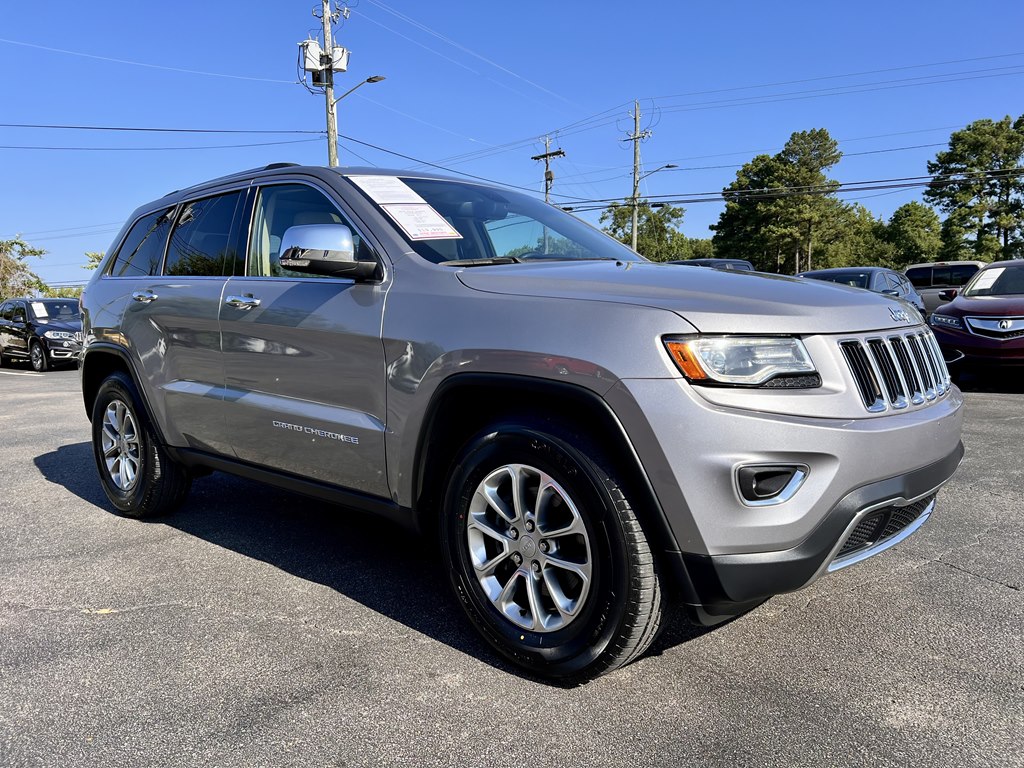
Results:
[272, 166]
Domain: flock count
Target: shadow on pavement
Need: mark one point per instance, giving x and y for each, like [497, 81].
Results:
[370, 560]
[1009, 381]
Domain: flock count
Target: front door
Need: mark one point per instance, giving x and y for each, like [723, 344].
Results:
[303, 357]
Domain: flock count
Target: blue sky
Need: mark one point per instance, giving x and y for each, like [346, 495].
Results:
[474, 86]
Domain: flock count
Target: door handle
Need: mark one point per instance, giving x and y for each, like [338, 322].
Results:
[242, 302]
[145, 296]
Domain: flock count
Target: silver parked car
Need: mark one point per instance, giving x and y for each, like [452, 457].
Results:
[587, 433]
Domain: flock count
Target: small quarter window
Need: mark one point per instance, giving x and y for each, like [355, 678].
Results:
[143, 248]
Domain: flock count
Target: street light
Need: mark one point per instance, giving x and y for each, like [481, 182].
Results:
[636, 196]
[334, 104]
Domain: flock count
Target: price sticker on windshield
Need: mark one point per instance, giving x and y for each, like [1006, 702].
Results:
[421, 222]
[386, 190]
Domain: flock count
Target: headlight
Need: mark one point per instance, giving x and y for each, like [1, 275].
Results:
[946, 321]
[749, 361]
[59, 335]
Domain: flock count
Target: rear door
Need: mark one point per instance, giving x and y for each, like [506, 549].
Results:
[171, 319]
[303, 357]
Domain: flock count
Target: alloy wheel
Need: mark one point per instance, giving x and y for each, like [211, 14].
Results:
[120, 443]
[529, 548]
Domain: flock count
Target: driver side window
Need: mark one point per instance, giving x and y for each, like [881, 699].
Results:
[279, 207]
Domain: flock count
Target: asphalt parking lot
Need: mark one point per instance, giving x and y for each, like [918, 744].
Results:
[259, 628]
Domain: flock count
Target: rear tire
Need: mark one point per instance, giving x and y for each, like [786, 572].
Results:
[136, 472]
[37, 356]
[546, 555]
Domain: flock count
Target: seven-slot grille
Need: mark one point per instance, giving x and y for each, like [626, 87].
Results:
[897, 370]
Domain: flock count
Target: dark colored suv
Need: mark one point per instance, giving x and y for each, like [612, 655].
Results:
[46, 332]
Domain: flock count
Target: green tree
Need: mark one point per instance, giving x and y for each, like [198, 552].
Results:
[779, 210]
[93, 259]
[978, 185]
[698, 248]
[16, 279]
[658, 237]
[855, 238]
[915, 234]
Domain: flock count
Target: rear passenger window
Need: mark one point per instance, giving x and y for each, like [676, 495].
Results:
[143, 248]
[921, 277]
[281, 206]
[7, 311]
[204, 240]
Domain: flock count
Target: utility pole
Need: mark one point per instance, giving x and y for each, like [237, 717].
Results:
[636, 138]
[327, 60]
[549, 176]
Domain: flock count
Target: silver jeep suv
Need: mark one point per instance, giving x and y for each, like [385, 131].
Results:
[586, 432]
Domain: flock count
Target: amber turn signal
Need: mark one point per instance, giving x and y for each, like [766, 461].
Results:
[686, 360]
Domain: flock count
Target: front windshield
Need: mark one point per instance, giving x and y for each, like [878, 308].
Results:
[489, 223]
[55, 309]
[997, 281]
[856, 279]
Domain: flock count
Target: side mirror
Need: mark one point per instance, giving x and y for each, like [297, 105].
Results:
[323, 249]
[18, 319]
[891, 292]
[948, 295]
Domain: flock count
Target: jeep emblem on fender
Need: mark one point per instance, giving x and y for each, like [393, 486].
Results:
[1005, 325]
[899, 314]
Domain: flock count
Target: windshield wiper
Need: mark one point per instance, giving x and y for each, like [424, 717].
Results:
[482, 262]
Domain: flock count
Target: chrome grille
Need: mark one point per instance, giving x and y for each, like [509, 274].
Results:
[896, 370]
[993, 328]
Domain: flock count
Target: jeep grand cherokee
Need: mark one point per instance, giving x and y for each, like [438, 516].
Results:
[585, 431]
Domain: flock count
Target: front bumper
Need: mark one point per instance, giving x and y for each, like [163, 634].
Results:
[62, 350]
[970, 348]
[865, 522]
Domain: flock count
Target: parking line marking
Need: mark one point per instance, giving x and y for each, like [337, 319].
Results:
[20, 373]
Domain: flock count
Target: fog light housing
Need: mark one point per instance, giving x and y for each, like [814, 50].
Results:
[762, 485]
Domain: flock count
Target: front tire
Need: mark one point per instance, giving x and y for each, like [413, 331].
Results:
[37, 356]
[136, 472]
[546, 555]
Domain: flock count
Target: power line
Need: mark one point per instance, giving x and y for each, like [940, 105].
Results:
[150, 130]
[155, 149]
[144, 64]
[832, 187]
[599, 121]
[70, 229]
[464, 49]
[451, 170]
[840, 77]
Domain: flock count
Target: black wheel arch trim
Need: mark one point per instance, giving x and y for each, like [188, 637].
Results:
[109, 348]
[651, 513]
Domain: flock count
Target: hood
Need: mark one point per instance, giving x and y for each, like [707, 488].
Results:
[1002, 306]
[712, 300]
[49, 324]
